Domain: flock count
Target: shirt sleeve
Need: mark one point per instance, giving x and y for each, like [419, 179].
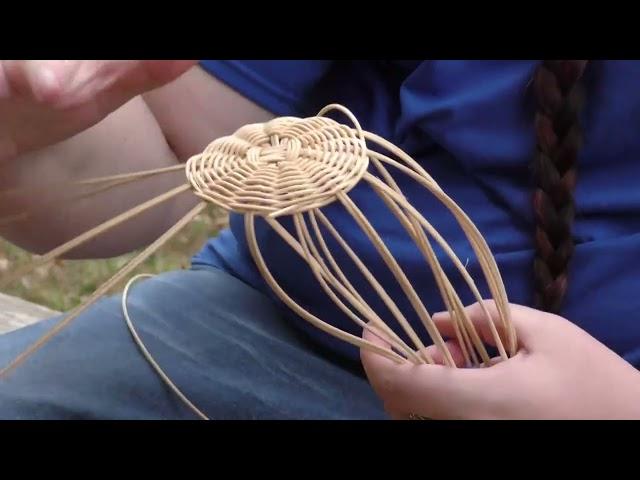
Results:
[279, 86]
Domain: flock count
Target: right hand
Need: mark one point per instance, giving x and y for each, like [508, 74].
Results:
[43, 102]
[559, 372]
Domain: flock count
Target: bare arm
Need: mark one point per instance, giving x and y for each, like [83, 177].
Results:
[158, 129]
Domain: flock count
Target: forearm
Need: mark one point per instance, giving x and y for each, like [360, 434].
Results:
[161, 128]
[128, 140]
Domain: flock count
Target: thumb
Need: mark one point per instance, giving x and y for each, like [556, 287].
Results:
[433, 391]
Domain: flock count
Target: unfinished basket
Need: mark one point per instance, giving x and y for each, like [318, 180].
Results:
[293, 167]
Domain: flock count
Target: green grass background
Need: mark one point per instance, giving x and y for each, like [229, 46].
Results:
[64, 284]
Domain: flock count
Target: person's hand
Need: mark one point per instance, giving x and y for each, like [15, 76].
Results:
[559, 372]
[43, 102]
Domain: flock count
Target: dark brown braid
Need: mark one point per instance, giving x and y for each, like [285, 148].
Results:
[558, 135]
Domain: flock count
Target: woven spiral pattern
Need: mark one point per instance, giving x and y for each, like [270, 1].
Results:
[287, 165]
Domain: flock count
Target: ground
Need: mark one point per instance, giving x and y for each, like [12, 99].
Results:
[64, 284]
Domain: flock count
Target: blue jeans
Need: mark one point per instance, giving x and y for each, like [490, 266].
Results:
[224, 344]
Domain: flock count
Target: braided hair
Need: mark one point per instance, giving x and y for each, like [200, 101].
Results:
[558, 139]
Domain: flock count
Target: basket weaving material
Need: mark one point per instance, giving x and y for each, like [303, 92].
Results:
[294, 167]
[291, 168]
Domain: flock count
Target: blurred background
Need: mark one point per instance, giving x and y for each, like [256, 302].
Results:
[64, 284]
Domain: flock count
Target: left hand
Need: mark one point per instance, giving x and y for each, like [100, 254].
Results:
[559, 372]
[43, 102]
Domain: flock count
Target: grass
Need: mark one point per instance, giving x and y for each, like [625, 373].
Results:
[64, 284]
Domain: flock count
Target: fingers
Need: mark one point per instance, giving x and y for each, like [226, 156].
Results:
[433, 391]
[30, 79]
[454, 348]
[68, 83]
[524, 320]
[438, 357]
[435, 353]
[437, 391]
[478, 319]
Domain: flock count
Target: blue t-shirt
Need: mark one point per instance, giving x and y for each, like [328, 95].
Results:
[470, 125]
